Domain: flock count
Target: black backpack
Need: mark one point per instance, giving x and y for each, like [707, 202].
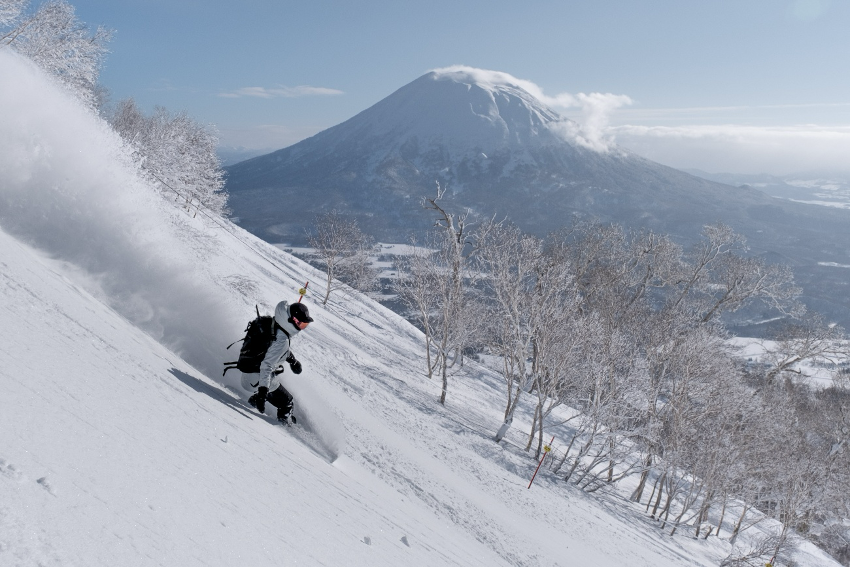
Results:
[259, 335]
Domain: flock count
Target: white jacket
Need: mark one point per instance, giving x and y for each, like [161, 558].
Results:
[277, 352]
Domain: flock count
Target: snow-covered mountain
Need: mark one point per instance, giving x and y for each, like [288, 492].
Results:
[121, 443]
[504, 153]
[497, 148]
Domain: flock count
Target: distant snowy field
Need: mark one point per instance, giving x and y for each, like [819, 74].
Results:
[818, 374]
[832, 192]
[825, 190]
[121, 443]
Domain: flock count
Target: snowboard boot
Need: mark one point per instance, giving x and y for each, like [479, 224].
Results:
[253, 400]
[284, 417]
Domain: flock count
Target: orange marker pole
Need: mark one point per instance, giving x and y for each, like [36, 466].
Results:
[303, 290]
[546, 449]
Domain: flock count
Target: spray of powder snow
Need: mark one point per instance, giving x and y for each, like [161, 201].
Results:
[67, 186]
[319, 427]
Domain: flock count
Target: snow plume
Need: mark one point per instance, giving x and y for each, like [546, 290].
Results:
[319, 426]
[595, 108]
[68, 187]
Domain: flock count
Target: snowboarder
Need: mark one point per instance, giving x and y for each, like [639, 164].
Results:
[289, 321]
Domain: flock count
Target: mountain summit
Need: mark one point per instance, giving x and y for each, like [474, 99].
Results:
[502, 152]
[461, 110]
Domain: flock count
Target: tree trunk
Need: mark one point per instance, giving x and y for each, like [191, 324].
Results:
[328, 288]
[738, 525]
[703, 512]
[506, 425]
[445, 383]
[666, 510]
[598, 459]
[651, 495]
[660, 491]
[503, 429]
[573, 468]
[533, 428]
[539, 437]
[566, 453]
[678, 519]
[722, 514]
[638, 493]
[779, 542]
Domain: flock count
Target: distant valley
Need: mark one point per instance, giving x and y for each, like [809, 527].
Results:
[815, 188]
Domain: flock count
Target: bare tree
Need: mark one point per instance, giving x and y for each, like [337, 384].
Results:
[527, 289]
[55, 40]
[711, 280]
[561, 341]
[763, 551]
[717, 278]
[719, 241]
[623, 279]
[738, 280]
[609, 378]
[345, 253]
[416, 287]
[438, 283]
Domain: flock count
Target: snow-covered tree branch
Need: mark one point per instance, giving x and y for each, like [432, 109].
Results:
[55, 40]
[175, 153]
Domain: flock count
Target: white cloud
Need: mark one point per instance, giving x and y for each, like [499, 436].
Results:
[799, 113]
[595, 108]
[286, 92]
[739, 148]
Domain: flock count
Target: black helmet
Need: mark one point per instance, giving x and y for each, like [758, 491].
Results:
[299, 311]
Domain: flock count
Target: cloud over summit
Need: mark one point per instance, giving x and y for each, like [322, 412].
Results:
[595, 108]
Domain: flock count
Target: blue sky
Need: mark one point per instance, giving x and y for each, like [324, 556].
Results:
[744, 86]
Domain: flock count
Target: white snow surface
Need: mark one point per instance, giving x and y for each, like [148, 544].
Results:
[120, 442]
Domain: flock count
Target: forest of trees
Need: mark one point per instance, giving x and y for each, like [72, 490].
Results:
[625, 331]
[175, 153]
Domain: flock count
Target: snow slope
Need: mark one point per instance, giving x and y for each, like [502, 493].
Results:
[120, 443]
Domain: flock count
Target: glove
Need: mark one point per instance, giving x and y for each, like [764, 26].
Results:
[262, 392]
[294, 364]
